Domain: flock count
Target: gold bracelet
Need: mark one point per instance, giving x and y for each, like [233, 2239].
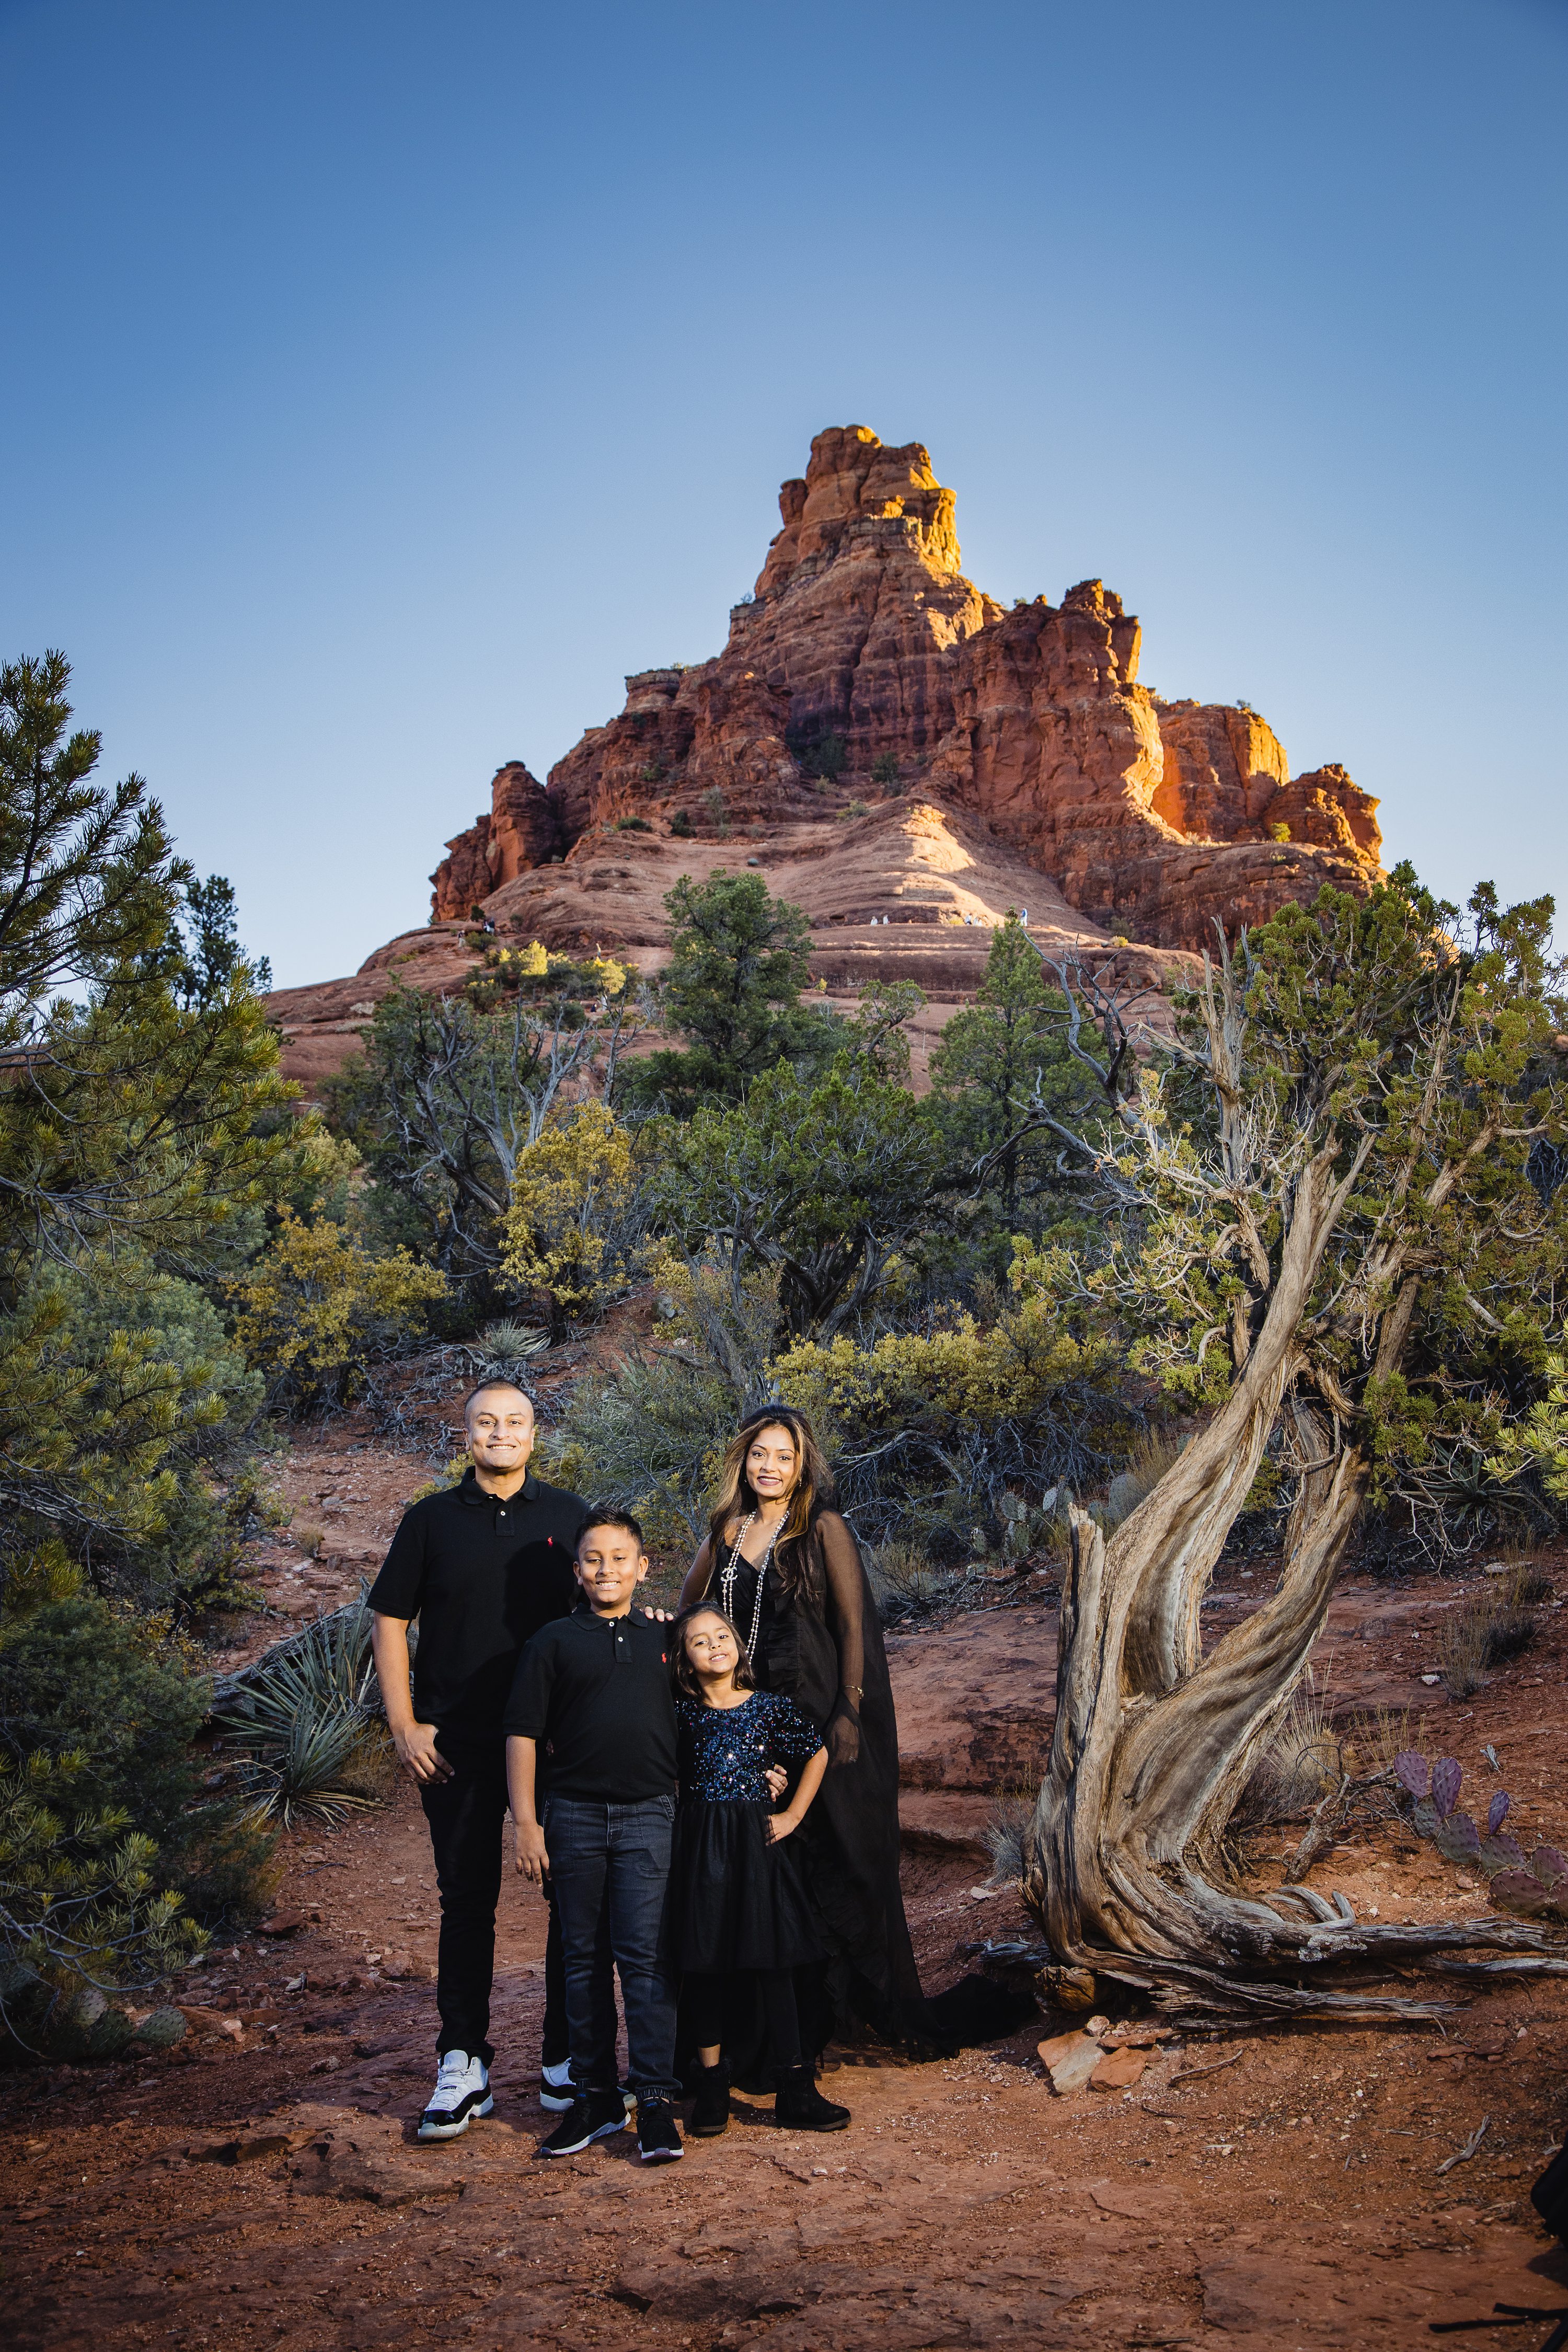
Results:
[852, 1690]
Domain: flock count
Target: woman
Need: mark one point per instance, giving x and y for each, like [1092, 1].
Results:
[782, 1565]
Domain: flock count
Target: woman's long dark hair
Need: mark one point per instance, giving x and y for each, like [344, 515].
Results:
[685, 1672]
[812, 1493]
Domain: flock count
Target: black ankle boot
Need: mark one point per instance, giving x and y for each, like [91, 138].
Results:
[711, 2108]
[801, 2105]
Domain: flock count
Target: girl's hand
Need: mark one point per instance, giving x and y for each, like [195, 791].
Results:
[777, 1780]
[781, 1825]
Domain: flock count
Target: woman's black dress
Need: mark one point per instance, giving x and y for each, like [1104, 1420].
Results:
[850, 1836]
[740, 1901]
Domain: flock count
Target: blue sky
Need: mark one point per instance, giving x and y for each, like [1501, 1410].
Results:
[383, 382]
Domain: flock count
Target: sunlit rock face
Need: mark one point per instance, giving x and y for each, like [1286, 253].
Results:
[863, 648]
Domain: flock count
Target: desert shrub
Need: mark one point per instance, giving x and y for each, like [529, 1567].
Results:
[717, 810]
[821, 751]
[632, 824]
[936, 1435]
[681, 824]
[509, 1343]
[647, 1438]
[569, 1231]
[317, 1308]
[116, 1692]
[128, 1422]
[307, 1724]
[80, 1912]
[885, 768]
[446, 1098]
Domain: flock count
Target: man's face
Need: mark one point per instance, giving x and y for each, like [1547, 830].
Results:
[500, 1429]
[611, 1564]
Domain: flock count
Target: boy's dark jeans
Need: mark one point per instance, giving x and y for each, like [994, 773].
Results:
[467, 1815]
[609, 1865]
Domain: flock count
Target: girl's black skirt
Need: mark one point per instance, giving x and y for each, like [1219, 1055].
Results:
[739, 1903]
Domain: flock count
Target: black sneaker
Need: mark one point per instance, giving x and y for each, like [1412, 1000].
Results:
[590, 2118]
[658, 2134]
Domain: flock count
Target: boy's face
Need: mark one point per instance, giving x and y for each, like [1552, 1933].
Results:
[611, 1564]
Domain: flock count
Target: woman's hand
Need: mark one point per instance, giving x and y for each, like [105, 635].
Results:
[843, 1740]
[777, 1780]
[783, 1825]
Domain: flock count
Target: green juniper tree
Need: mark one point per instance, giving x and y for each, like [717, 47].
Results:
[1001, 1058]
[739, 959]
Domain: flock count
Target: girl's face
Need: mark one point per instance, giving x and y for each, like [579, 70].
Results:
[772, 1463]
[712, 1649]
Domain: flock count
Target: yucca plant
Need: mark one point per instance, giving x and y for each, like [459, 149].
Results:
[307, 1724]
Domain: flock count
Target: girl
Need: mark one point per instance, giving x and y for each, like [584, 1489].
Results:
[738, 1900]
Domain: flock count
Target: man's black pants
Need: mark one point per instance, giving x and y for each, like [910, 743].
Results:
[466, 1816]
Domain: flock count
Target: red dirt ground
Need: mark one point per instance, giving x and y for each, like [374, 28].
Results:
[262, 2187]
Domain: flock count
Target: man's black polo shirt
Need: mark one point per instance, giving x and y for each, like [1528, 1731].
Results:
[482, 1576]
[596, 1690]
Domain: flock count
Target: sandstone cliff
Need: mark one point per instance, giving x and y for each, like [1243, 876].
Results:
[864, 648]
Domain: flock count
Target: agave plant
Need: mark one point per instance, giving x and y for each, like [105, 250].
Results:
[305, 1721]
[1536, 1888]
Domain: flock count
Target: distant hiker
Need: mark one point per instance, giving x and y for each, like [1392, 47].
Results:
[740, 1900]
[594, 1687]
[482, 1565]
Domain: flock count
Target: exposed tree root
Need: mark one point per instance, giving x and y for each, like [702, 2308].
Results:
[1184, 1989]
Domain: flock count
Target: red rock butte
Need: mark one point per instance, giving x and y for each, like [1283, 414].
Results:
[902, 756]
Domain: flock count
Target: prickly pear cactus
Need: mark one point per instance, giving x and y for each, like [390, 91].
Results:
[1534, 1889]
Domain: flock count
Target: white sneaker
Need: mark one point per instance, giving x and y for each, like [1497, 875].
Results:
[556, 2090]
[462, 2091]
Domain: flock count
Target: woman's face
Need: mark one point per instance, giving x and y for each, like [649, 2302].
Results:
[772, 1463]
[711, 1647]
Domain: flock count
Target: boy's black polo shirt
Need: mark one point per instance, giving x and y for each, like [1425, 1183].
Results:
[596, 1690]
[482, 1575]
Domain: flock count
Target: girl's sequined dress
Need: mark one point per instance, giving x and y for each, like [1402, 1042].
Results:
[738, 1902]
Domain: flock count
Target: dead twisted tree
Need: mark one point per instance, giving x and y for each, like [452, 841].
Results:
[1342, 1224]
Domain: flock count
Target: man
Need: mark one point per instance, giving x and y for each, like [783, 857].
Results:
[595, 1689]
[483, 1565]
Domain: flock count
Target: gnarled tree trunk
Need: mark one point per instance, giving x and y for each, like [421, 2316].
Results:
[1155, 1742]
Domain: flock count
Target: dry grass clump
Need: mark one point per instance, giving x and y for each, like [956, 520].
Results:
[1489, 1629]
[1375, 1739]
[1147, 1464]
[1009, 1835]
[310, 1535]
[1302, 1764]
[904, 1576]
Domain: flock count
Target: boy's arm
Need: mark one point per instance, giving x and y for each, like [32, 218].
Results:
[414, 1742]
[783, 1825]
[521, 1760]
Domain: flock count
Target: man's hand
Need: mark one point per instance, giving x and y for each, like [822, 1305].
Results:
[843, 1741]
[532, 1860]
[418, 1754]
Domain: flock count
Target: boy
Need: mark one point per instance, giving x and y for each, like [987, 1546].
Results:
[595, 1689]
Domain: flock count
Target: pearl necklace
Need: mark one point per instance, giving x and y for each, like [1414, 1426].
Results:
[727, 1583]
